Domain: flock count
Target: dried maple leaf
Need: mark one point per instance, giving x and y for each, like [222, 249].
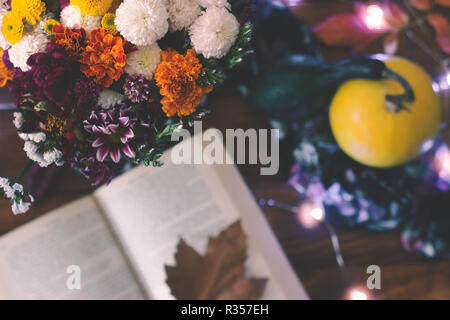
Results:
[442, 27]
[423, 5]
[352, 29]
[217, 275]
[444, 3]
[346, 30]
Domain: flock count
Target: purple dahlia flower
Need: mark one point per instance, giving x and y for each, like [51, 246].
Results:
[112, 134]
[87, 93]
[137, 89]
[91, 169]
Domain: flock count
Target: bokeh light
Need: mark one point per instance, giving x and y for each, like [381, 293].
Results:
[310, 214]
[374, 17]
[357, 293]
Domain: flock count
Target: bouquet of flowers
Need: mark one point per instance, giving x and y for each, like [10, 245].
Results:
[101, 83]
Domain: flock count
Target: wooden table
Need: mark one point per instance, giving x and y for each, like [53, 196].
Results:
[404, 276]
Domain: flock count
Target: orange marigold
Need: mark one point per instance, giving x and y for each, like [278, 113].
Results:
[104, 57]
[5, 74]
[73, 40]
[176, 76]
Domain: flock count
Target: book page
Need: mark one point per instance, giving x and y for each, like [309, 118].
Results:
[151, 208]
[34, 259]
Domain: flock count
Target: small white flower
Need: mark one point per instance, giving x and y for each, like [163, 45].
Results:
[30, 44]
[144, 61]
[214, 32]
[18, 187]
[9, 192]
[23, 136]
[37, 137]
[17, 194]
[29, 147]
[109, 98]
[31, 150]
[18, 120]
[52, 156]
[214, 3]
[142, 22]
[71, 17]
[3, 182]
[21, 207]
[182, 13]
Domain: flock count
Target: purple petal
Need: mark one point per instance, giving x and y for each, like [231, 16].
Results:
[93, 116]
[103, 116]
[113, 127]
[102, 153]
[99, 179]
[99, 142]
[128, 152]
[129, 134]
[124, 121]
[106, 130]
[111, 114]
[115, 155]
[96, 129]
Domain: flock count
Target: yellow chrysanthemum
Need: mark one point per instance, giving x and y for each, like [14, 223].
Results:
[92, 7]
[12, 27]
[30, 10]
[108, 23]
[49, 24]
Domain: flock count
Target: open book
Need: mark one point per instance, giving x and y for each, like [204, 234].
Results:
[122, 236]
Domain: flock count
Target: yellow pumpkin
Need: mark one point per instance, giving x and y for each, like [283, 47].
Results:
[371, 131]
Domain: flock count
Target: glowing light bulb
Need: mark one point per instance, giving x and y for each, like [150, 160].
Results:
[317, 214]
[442, 163]
[374, 17]
[357, 293]
[427, 145]
[310, 215]
[436, 87]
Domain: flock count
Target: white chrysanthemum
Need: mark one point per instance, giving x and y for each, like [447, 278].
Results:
[142, 22]
[50, 157]
[214, 3]
[144, 61]
[37, 137]
[109, 98]
[214, 32]
[71, 17]
[182, 13]
[30, 44]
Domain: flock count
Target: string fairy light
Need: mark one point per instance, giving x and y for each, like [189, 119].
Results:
[357, 293]
[373, 17]
[311, 215]
[442, 163]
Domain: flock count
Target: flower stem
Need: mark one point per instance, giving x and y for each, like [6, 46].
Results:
[24, 171]
[396, 103]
